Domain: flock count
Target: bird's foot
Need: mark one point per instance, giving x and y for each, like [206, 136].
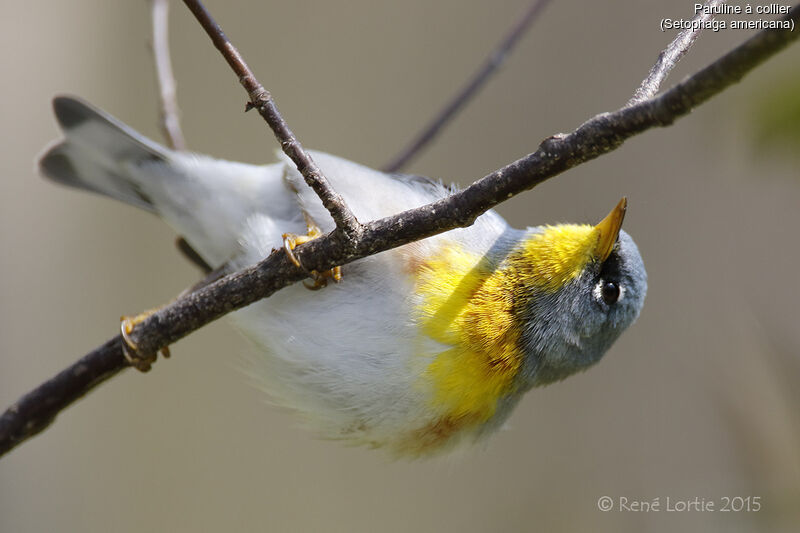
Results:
[320, 279]
[140, 361]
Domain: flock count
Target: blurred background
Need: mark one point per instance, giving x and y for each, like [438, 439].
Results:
[698, 400]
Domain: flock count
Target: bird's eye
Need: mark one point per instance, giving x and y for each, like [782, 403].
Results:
[609, 291]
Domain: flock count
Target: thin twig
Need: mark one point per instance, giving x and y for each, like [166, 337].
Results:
[170, 123]
[262, 100]
[599, 135]
[470, 89]
[673, 53]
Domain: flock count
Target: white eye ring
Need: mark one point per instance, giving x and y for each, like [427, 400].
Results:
[598, 291]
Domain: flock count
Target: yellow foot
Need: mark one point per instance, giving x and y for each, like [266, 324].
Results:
[291, 241]
[139, 361]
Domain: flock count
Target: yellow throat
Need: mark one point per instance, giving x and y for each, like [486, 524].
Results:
[476, 305]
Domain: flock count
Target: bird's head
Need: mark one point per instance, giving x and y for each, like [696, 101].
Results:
[583, 286]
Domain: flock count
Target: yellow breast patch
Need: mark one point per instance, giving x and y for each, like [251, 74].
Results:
[465, 306]
[474, 307]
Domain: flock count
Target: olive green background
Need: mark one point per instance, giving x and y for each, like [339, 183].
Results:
[698, 399]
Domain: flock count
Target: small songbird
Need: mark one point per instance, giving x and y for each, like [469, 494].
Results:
[417, 348]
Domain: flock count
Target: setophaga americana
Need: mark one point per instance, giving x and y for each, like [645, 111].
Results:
[418, 348]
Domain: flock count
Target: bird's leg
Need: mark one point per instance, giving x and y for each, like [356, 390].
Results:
[139, 361]
[291, 241]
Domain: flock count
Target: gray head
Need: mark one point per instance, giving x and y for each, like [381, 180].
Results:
[570, 329]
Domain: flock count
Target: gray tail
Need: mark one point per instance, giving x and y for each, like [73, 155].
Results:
[99, 153]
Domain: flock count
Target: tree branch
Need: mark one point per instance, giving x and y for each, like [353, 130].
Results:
[470, 89]
[599, 135]
[170, 124]
[673, 53]
[262, 100]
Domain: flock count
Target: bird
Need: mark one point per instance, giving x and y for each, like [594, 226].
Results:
[417, 350]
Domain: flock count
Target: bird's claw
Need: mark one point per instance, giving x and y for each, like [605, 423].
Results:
[320, 279]
[140, 361]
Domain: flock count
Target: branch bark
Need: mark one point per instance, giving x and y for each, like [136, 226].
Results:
[673, 53]
[262, 100]
[597, 136]
[170, 124]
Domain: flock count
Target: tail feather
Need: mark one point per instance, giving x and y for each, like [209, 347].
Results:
[208, 201]
[95, 152]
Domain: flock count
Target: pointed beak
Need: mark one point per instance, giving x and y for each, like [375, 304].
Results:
[608, 230]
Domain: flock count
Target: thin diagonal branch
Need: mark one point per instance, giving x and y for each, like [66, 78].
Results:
[470, 89]
[597, 136]
[673, 53]
[170, 124]
[262, 100]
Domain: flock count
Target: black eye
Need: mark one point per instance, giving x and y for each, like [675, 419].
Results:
[609, 292]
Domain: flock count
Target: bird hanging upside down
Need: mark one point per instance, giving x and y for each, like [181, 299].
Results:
[418, 348]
